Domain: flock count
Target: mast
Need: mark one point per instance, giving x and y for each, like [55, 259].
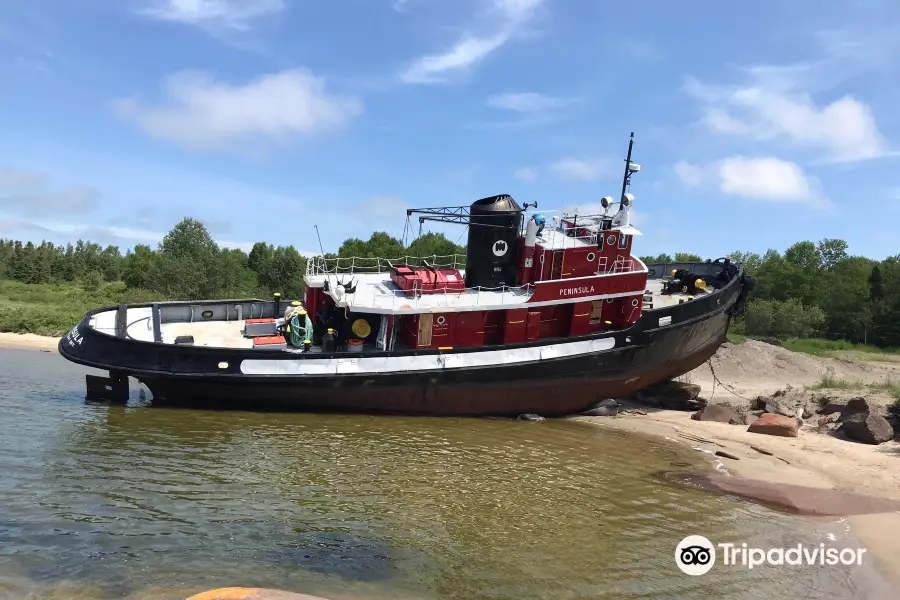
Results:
[627, 178]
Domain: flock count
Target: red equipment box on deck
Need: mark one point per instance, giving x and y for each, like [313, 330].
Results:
[258, 327]
[270, 342]
[428, 281]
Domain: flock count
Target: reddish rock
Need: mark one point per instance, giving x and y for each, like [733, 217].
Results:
[772, 424]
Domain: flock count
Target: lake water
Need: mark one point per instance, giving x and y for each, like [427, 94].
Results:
[135, 502]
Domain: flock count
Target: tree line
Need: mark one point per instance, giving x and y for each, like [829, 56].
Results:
[188, 264]
[819, 290]
[810, 290]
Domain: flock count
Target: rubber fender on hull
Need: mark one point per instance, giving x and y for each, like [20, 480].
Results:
[240, 593]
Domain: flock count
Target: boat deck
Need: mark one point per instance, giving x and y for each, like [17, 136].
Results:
[229, 334]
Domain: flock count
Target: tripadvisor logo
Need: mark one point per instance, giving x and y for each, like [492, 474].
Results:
[696, 555]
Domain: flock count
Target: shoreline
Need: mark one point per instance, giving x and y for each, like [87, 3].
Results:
[28, 341]
[811, 476]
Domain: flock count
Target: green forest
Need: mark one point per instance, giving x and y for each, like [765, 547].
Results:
[810, 290]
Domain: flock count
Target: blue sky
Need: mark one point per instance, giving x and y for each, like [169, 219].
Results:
[757, 124]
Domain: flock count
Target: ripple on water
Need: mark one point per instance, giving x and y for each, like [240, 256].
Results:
[108, 502]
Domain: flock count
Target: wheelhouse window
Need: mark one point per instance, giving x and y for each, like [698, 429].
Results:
[623, 241]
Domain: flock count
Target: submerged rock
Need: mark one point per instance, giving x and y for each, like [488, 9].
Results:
[867, 428]
[773, 424]
[530, 417]
[718, 413]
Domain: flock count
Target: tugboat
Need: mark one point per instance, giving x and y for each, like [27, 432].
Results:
[540, 315]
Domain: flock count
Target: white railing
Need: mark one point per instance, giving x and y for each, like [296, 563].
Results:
[385, 298]
[320, 265]
[621, 265]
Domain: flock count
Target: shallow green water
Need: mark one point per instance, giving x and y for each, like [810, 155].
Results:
[111, 502]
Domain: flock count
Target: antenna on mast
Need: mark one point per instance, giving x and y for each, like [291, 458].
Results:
[630, 168]
[320, 240]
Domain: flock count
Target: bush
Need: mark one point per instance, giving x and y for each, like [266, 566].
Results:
[92, 281]
[782, 319]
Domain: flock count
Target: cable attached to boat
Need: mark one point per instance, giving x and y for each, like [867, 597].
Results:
[719, 381]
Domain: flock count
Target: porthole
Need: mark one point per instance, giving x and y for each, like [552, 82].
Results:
[634, 302]
[223, 365]
[609, 300]
[207, 314]
[591, 257]
[441, 320]
[611, 240]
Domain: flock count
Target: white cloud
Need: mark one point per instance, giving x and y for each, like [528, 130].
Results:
[15, 178]
[203, 114]
[768, 178]
[770, 106]
[69, 232]
[386, 207]
[689, 174]
[399, 6]
[213, 14]
[527, 102]
[504, 18]
[72, 200]
[586, 169]
[525, 174]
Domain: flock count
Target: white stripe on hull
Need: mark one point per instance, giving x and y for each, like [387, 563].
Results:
[401, 364]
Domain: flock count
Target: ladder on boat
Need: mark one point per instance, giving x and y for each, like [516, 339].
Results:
[556, 268]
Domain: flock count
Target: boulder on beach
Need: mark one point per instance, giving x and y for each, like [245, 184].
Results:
[867, 428]
[773, 424]
[671, 394]
[240, 593]
[718, 413]
[604, 408]
[858, 405]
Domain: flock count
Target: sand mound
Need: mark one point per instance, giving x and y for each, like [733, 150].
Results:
[758, 367]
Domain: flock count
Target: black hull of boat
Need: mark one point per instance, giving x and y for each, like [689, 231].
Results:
[647, 353]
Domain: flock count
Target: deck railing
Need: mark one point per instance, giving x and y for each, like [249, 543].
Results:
[385, 298]
[321, 265]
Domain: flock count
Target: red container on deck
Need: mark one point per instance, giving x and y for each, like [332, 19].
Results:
[428, 281]
[270, 342]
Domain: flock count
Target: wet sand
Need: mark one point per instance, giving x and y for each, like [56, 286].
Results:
[814, 474]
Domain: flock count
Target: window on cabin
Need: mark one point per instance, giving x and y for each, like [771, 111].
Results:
[623, 241]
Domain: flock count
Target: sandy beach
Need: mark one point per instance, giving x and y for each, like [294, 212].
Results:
[28, 341]
[862, 481]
